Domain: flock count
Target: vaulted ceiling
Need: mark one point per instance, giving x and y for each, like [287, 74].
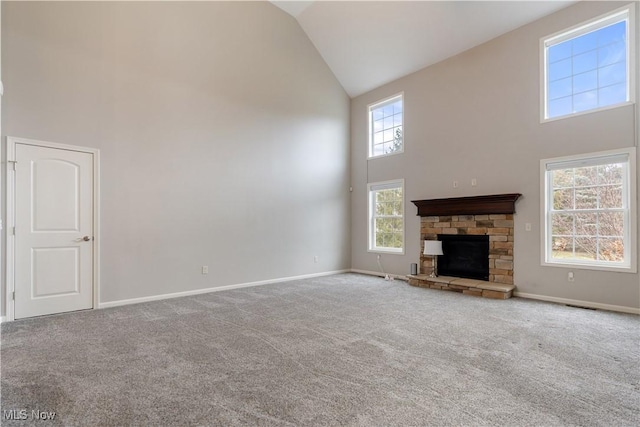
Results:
[369, 43]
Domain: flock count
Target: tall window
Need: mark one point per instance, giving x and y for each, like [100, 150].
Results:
[589, 67]
[386, 216]
[588, 210]
[385, 127]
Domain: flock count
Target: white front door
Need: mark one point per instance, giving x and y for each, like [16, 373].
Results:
[53, 230]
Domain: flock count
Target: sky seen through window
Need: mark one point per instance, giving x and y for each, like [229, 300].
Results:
[588, 71]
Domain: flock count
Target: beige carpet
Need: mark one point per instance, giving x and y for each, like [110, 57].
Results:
[341, 350]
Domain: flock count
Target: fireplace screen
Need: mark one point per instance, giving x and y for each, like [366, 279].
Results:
[464, 256]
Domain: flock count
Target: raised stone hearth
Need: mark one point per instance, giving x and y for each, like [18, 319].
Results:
[481, 215]
[478, 288]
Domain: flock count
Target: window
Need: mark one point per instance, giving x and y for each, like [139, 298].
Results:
[385, 127]
[589, 67]
[589, 210]
[386, 216]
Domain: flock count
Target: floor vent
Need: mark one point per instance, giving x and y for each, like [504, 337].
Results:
[580, 306]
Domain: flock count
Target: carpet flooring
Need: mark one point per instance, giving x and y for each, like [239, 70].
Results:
[348, 350]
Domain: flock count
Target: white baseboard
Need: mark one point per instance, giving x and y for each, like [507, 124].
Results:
[589, 304]
[216, 289]
[608, 307]
[377, 273]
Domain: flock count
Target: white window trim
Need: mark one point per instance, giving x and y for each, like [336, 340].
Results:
[631, 236]
[370, 209]
[376, 104]
[575, 32]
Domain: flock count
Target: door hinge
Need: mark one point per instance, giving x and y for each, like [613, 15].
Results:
[13, 162]
[12, 231]
[13, 295]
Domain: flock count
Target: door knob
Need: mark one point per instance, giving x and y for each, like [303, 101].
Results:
[86, 238]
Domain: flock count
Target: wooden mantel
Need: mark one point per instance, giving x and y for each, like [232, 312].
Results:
[475, 205]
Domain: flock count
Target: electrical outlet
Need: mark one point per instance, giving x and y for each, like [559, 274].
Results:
[527, 226]
[570, 277]
[474, 182]
[455, 184]
[205, 269]
[315, 258]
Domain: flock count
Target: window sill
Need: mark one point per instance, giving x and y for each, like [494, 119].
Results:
[582, 266]
[582, 113]
[386, 251]
[385, 155]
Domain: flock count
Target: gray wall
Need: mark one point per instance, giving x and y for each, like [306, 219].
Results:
[224, 136]
[476, 115]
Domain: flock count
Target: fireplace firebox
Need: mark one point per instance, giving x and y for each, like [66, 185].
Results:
[464, 256]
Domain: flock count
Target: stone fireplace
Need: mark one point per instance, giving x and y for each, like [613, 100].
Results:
[487, 216]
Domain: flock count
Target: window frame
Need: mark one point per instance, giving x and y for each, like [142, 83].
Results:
[581, 29]
[629, 191]
[372, 188]
[381, 103]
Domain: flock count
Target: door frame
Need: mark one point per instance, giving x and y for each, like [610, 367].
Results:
[10, 216]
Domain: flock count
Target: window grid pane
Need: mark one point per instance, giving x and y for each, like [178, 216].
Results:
[387, 219]
[588, 71]
[386, 127]
[587, 218]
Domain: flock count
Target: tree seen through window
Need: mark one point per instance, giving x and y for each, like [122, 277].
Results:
[588, 213]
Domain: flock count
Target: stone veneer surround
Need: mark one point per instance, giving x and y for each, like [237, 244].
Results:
[499, 228]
